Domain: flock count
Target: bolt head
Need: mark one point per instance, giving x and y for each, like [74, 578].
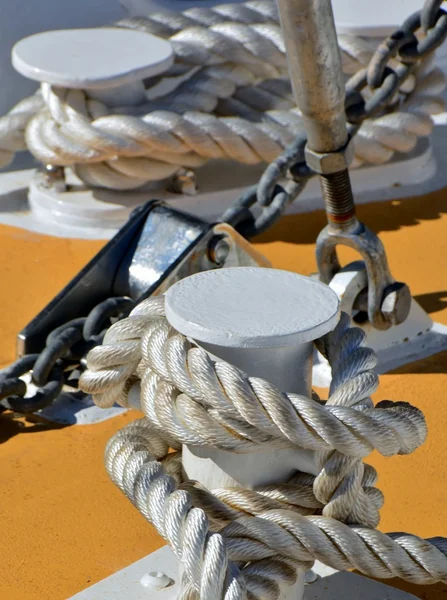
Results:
[156, 580]
[184, 182]
[310, 576]
[396, 303]
[54, 178]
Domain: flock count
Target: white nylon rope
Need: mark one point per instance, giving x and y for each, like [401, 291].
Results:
[13, 126]
[235, 104]
[237, 543]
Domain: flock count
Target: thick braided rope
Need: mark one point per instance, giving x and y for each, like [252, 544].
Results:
[230, 108]
[193, 400]
[13, 126]
[126, 151]
[268, 532]
[202, 35]
[268, 547]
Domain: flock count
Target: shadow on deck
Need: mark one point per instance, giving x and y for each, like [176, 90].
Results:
[379, 216]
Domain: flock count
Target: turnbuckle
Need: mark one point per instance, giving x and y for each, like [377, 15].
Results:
[317, 79]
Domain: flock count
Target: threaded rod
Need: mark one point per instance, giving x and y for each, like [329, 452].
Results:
[338, 199]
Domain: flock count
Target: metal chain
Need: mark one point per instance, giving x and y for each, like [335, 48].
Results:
[272, 197]
[61, 361]
[382, 80]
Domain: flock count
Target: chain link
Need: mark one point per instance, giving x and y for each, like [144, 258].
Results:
[370, 92]
[60, 361]
[269, 194]
[430, 13]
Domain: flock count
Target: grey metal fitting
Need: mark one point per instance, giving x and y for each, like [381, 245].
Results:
[54, 178]
[218, 250]
[396, 303]
[326, 163]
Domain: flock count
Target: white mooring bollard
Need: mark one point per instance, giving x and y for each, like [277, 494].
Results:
[110, 64]
[263, 321]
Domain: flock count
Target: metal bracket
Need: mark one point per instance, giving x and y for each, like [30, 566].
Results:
[154, 249]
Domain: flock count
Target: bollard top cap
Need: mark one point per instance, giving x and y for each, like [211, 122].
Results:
[250, 307]
[97, 58]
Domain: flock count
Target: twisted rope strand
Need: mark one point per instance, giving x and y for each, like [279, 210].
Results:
[257, 543]
[197, 400]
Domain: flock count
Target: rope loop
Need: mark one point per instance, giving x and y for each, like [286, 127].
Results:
[273, 530]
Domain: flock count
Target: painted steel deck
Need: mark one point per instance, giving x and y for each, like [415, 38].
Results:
[66, 526]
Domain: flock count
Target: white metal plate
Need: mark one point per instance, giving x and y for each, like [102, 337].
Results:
[126, 584]
[394, 350]
[330, 584]
[341, 585]
[70, 410]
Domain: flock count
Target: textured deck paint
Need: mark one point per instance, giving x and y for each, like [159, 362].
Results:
[64, 526]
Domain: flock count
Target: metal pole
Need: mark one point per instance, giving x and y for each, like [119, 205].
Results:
[317, 79]
[315, 70]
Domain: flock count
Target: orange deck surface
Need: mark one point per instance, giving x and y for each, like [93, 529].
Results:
[64, 526]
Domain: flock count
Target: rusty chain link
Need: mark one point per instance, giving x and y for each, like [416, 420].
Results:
[370, 92]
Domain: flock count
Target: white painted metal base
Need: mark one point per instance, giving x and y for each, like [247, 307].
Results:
[69, 409]
[221, 469]
[328, 585]
[81, 212]
[73, 408]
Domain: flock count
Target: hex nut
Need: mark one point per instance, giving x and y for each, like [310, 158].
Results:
[326, 163]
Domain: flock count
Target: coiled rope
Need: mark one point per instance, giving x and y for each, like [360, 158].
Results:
[236, 543]
[233, 101]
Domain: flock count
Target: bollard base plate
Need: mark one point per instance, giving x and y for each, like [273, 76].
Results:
[328, 585]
